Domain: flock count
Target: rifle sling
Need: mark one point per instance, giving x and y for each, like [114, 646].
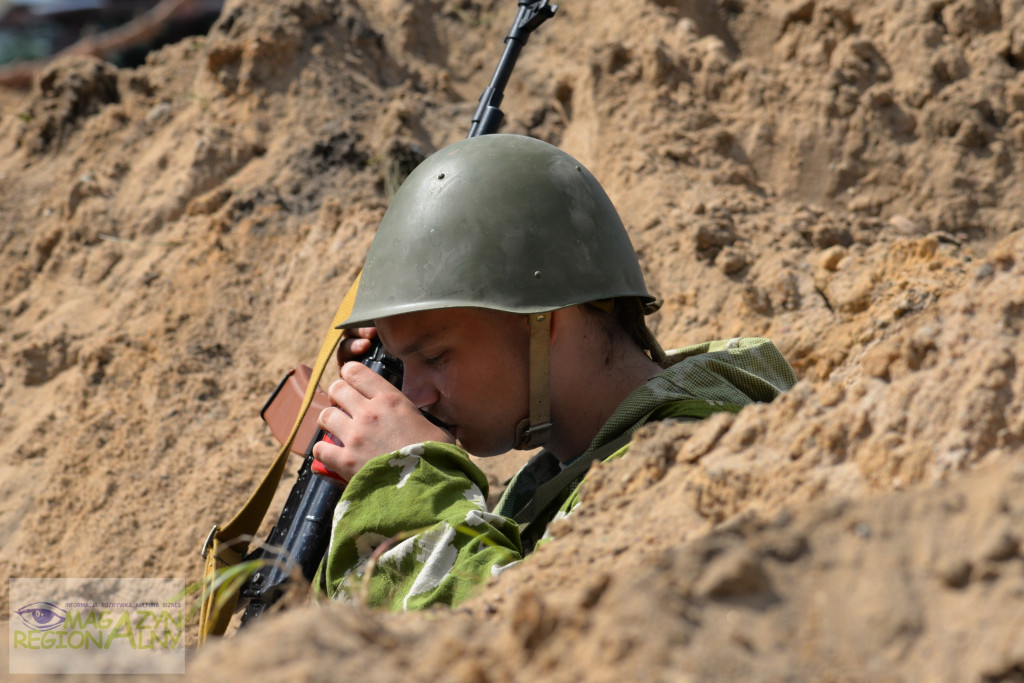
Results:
[226, 545]
[550, 490]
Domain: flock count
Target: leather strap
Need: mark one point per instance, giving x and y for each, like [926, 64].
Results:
[534, 430]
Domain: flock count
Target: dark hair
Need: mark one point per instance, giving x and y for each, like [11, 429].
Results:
[623, 319]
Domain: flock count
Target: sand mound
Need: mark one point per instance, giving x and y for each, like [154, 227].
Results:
[841, 177]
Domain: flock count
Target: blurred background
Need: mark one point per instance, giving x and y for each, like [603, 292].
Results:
[120, 31]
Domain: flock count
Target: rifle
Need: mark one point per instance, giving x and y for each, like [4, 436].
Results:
[303, 530]
[299, 539]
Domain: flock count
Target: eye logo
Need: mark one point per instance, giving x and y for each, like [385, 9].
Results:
[41, 616]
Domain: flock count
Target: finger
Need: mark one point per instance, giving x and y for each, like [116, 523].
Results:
[321, 470]
[333, 459]
[334, 420]
[346, 398]
[350, 349]
[366, 332]
[360, 334]
[364, 380]
[358, 347]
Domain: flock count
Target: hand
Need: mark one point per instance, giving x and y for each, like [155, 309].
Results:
[354, 343]
[370, 418]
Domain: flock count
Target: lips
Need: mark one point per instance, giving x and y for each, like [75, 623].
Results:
[450, 428]
[436, 421]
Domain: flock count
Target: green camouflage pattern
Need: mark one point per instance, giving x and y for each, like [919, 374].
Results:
[418, 517]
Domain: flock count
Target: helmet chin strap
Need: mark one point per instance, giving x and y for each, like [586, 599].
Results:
[535, 429]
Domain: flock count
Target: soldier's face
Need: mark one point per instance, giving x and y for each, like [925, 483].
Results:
[467, 367]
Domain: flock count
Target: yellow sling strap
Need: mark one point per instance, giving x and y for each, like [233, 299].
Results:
[225, 546]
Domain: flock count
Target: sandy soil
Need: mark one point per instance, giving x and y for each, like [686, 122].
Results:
[841, 177]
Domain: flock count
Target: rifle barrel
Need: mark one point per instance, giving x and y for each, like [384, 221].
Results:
[488, 115]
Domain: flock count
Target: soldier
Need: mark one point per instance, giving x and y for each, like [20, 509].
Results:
[503, 279]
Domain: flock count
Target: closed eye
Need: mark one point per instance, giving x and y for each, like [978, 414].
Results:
[434, 362]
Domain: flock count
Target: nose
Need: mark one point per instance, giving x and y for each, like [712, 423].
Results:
[419, 390]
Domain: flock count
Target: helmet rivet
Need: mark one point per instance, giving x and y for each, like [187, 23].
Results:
[540, 318]
[537, 275]
[440, 176]
[579, 169]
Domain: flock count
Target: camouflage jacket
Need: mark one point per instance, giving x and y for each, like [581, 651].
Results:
[412, 528]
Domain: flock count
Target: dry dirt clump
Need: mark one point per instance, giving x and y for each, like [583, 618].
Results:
[905, 586]
[841, 177]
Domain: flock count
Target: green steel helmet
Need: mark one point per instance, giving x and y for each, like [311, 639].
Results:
[503, 222]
